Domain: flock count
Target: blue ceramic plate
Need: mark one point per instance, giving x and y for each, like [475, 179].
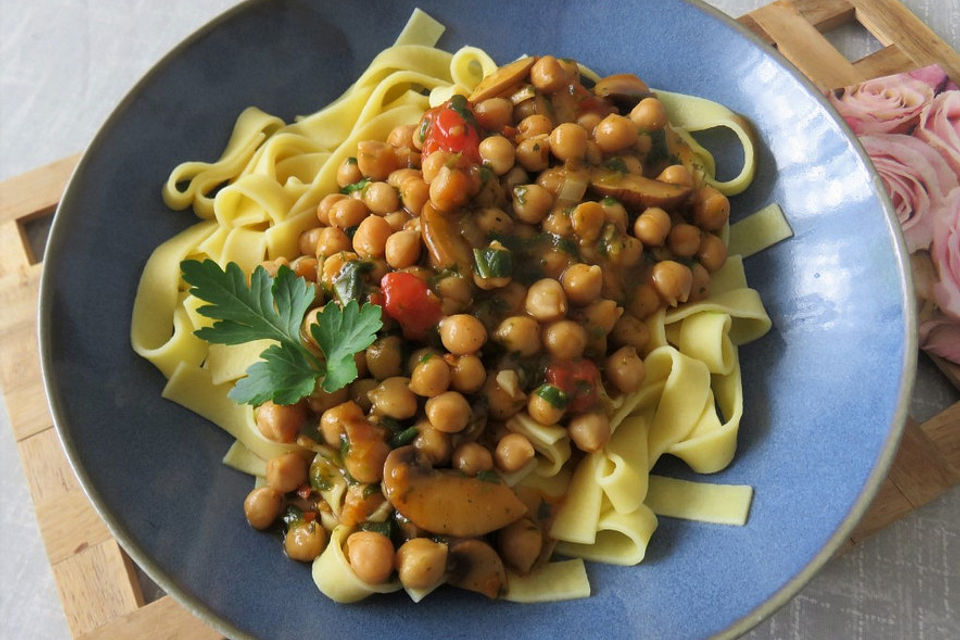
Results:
[825, 390]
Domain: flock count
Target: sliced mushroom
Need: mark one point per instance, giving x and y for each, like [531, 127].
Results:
[442, 237]
[622, 89]
[446, 502]
[502, 79]
[475, 566]
[636, 191]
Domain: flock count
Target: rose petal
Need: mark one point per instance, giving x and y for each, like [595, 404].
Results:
[941, 337]
[939, 126]
[891, 104]
[946, 256]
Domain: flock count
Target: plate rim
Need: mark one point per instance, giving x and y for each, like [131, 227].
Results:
[202, 611]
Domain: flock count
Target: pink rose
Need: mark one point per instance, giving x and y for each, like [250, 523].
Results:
[940, 127]
[891, 104]
[935, 76]
[917, 179]
[941, 337]
[946, 255]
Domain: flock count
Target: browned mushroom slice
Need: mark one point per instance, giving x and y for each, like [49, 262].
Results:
[441, 235]
[475, 566]
[502, 79]
[622, 89]
[637, 192]
[447, 502]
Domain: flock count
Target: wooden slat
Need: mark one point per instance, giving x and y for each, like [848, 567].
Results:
[888, 506]
[944, 432]
[165, 618]
[68, 525]
[949, 369]
[883, 62]
[824, 15]
[919, 470]
[45, 466]
[35, 192]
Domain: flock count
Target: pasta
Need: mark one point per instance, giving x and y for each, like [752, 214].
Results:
[527, 441]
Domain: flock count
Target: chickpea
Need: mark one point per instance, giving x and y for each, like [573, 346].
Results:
[615, 213]
[712, 253]
[672, 281]
[589, 431]
[436, 161]
[552, 179]
[515, 176]
[531, 203]
[456, 288]
[467, 374]
[347, 213]
[601, 315]
[397, 178]
[305, 267]
[323, 209]
[493, 114]
[462, 334]
[558, 222]
[332, 240]
[286, 472]
[262, 506]
[492, 220]
[649, 115]
[381, 198]
[497, 153]
[402, 136]
[519, 334]
[645, 301]
[370, 555]
[280, 422]
[320, 400]
[305, 541]
[625, 369]
[565, 339]
[358, 392]
[430, 377]
[370, 238]
[546, 300]
[541, 410]
[588, 219]
[307, 244]
[402, 249]
[554, 262]
[433, 443]
[397, 220]
[534, 125]
[272, 267]
[615, 133]
[582, 283]
[684, 240]
[568, 142]
[504, 396]
[676, 174]
[393, 398]
[449, 189]
[348, 172]
[448, 412]
[711, 209]
[700, 283]
[421, 563]
[385, 358]
[376, 159]
[533, 154]
[513, 452]
[652, 226]
[520, 543]
[471, 458]
[630, 331]
[548, 75]
[414, 193]
[333, 419]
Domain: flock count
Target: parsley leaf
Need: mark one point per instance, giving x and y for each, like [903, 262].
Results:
[341, 333]
[283, 375]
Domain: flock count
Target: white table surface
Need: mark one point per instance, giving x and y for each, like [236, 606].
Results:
[63, 67]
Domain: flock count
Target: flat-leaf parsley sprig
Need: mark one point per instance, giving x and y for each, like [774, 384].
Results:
[273, 309]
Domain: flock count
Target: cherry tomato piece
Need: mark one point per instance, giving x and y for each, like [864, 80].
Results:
[407, 300]
[579, 379]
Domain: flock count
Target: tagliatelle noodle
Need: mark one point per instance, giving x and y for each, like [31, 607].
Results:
[335, 579]
[564, 580]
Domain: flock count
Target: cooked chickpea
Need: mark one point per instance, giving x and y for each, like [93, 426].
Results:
[307, 244]
[588, 219]
[370, 555]
[676, 174]
[421, 563]
[280, 422]
[393, 398]
[645, 301]
[615, 133]
[370, 238]
[534, 125]
[568, 142]
[414, 193]
[625, 369]
[519, 334]
[503, 393]
[711, 210]
[332, 240]
[552, 179]
[305, 267]
[305, 541]
[492, 220]
[430, 377]
[449, 189]
[652, 226]
[700, 282]
[493, 114]
[546, 300]
[582, 283]
[548, 75]
[712, 253]
[381, 198]
[564, 339]
[448, 412]
[630, 331]
[348, 172]
[402, 136]
[589, 431]
[602, 315]
[333, 419]
[376, 159]
[467, 374]
[347, 213]
[323, 209]
[433, 443]
[649, 115]
[402, 249]
[358, 390]
[515, 176]
[462, 334]
[542, 410]
[672, 281]
[520, 543]
[531, 203]
[513, 452]
[497, 153]
[385, 357]
[615, 213]
[533, 154]
[684, 240]
[320, 400]
[471, 458]
[262, 506]
[558, 222]
[287, 471]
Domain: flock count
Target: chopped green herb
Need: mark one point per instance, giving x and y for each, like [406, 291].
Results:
[292, 516]
[459, 104]
[489, 476]
[350, 282]
[370, 489]
[344, 445]
[383, 528]
[404, 437]
[424, 129]
[356, 186]
[351, 160]
[658, 147]
[609, 202]
[493, 263]
[544, 510]
[554, 395]
[426, 356]
[616, 164]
